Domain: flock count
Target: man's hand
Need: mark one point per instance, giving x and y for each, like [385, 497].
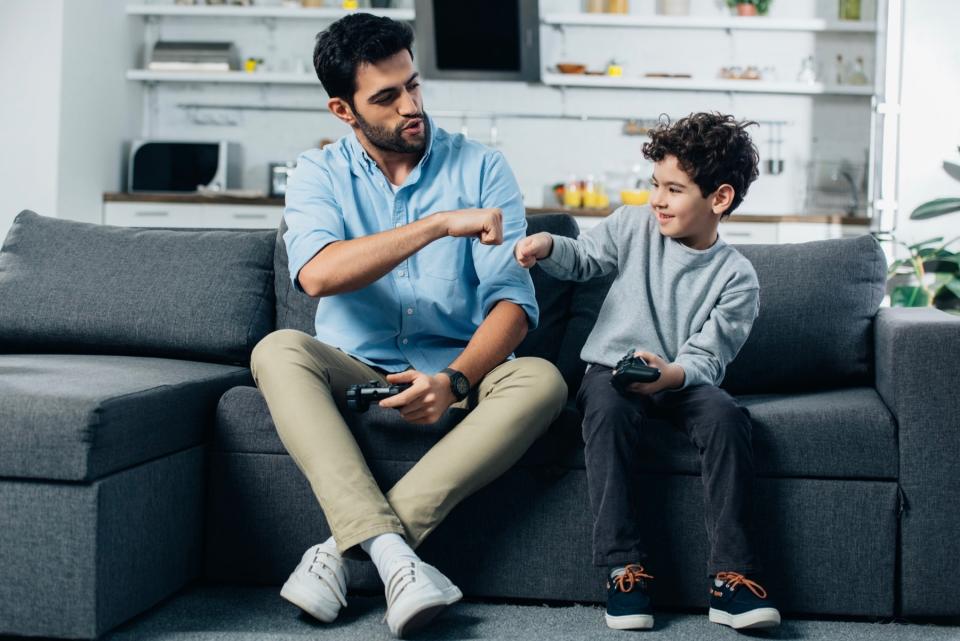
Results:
[672, 376]
[533, 248]
[425, 401]
[485, 224]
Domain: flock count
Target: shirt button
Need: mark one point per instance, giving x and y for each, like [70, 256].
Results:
[398, 225]
[405, 341]
[401, 273]
[409, 311]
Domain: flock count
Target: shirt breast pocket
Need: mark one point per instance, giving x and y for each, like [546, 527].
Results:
[442, 258]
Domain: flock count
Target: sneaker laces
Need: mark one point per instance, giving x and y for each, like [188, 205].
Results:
[402, 577]
[632, 576]
[734, 579]
[322, 561]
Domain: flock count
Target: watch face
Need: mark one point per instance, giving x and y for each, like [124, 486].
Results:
[461, 385]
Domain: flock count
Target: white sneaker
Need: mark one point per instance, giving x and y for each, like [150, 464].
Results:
[416, 593]
[318, 585]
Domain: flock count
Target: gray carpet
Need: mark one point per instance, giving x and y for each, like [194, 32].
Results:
[220, 613]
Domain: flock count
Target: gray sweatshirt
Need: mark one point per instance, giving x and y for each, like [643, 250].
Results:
[691, 307]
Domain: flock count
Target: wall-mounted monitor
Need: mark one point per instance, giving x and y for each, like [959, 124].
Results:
[478, 39]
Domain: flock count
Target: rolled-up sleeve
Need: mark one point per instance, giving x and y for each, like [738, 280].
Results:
[314, 220]
[501, 277]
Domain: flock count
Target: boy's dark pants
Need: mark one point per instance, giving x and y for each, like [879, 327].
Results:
[721, 430]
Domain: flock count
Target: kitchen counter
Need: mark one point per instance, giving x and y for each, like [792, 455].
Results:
[192, 199]
[195, 199]
[832, 219]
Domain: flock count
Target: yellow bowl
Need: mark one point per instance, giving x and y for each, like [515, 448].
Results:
[635, 196]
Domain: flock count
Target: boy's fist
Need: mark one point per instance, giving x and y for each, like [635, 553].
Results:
[533, 248]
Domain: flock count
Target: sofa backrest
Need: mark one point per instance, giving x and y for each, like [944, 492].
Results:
[815, 327]
[817, 303]
[69, 287]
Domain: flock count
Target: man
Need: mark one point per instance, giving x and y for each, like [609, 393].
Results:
[414, 289]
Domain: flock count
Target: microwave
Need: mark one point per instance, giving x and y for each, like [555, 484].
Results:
[168, 166]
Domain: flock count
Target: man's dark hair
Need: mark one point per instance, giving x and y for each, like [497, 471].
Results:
[352, 41]
[712, 148]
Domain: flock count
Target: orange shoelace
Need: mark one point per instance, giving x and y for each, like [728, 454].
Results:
[632, 575]
[733, 579]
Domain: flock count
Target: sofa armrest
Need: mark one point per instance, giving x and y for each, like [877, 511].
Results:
[917, 375]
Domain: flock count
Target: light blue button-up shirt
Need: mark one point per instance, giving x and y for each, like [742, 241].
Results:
[424, 312]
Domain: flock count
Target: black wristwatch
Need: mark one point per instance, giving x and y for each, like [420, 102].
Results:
[459, 384]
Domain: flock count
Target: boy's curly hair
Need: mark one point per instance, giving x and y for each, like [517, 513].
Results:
[712, 148]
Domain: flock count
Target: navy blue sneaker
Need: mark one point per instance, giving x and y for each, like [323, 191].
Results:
[741, 603]
[628, 603]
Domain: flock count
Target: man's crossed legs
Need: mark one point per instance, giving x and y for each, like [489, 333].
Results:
[303, 380]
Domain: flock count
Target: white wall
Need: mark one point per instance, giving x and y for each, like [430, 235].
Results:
[67, 107]
[930, 120]
[30, 47]
[99, 109]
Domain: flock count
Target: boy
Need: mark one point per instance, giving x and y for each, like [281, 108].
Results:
[687, 300]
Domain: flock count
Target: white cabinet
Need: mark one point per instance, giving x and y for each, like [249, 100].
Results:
[163, 214]
[752, 233]
[749, 233]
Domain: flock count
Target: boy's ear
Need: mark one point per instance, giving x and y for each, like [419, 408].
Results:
[342, 110]
[722, 198]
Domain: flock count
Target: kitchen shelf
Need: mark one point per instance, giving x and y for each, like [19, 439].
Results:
[686, 22]
[226, 11]
[235, 77]
[699, 84]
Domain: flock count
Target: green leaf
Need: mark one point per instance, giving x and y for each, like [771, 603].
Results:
[940, 280]
[935, 208]
[952, 169]
[954, 287]
[909, 296]
[923, 243]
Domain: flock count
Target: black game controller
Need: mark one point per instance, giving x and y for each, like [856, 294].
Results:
[632, 369]
[359, 397]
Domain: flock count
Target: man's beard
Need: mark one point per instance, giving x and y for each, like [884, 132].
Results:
[387, 140]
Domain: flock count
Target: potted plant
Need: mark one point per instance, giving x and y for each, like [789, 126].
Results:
[931, 273]
[750, 7]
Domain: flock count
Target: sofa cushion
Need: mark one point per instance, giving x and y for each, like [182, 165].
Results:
[77, 418]
[553, 297]
[70, 287]
[837, 434]
[817, 304]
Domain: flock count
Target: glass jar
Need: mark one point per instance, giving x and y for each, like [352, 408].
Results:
[849, 10]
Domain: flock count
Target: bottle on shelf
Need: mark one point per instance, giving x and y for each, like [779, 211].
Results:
[594, 6]
[839, 71]
[808, 71]
[849, 10]
[572, 196]
[618, 6]
[857, 76]
[590, 192]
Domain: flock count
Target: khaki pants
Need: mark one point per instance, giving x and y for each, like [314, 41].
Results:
[300, 378]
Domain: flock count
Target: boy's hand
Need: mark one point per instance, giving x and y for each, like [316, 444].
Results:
[672, 376]
[533, 248]
[425, 401]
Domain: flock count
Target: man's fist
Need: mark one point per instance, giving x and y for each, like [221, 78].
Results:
[485, 224]
[533, 248]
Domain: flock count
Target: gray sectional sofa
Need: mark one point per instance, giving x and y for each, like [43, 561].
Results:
[136, 456]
